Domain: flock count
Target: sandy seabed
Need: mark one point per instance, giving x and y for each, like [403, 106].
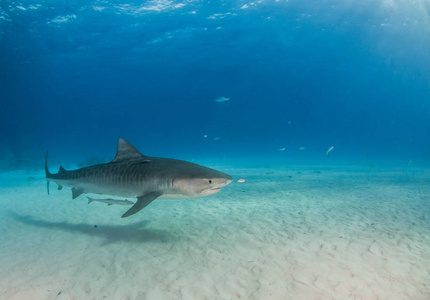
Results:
[298, 233]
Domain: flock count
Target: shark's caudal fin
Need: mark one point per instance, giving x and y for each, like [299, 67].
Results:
[47, 174]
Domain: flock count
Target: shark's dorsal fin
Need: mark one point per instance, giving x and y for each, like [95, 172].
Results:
[126, 151]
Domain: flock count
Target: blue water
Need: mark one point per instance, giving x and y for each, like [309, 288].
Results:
[302, 76]
[76, 75]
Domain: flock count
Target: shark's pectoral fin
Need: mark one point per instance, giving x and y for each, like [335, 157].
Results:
[77, 192]
[142, 202]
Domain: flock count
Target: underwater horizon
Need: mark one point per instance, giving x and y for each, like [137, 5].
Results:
[301, 76]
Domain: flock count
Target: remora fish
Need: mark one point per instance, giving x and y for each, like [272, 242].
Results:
[110, 201]
[132, 174]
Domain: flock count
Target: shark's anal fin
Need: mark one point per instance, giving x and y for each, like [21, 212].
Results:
[60, 187]
[142, 202]
[76, 192]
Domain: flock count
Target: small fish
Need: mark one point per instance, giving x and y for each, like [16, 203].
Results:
[222, 99]
[302, 148]
[329, 149]
[282, 149]
[409, 162]
[217, 138]
[111, 201]
[240, 180]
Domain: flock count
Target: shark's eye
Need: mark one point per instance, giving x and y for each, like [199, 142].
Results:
[210, 181]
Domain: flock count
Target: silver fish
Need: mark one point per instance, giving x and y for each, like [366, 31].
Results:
[222, 99]
[328, 151]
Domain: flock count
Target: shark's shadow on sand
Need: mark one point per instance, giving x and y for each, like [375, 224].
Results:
[132, 233]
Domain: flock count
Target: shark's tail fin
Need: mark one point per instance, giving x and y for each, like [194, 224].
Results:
[47, 173]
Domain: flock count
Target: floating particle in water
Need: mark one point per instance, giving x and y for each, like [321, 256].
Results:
[281, 149]
[222, 99]
[240, 180]
[302, 148]
[409, 162]
[216, 138]
[205, 136]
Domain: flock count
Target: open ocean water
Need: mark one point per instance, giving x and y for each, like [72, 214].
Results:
[321, 107]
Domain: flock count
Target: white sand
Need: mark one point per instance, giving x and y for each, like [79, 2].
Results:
[354, 233]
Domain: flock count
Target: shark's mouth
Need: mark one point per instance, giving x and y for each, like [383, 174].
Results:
[210, 191]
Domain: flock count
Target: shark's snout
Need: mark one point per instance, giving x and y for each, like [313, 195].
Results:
[217, 184]
[223, 181]
[228, 181]
[225, 178]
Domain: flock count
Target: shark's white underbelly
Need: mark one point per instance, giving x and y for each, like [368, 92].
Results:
[126, 191]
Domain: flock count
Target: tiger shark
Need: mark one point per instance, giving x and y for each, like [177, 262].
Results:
[132, 174]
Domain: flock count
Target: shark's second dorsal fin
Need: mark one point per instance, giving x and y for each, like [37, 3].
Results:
[126, 151]
[61, 170]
